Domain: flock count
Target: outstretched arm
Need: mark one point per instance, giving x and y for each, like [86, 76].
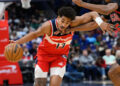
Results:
[44, 29]
[88, 17]
[103, 9]
[85, 18]
[85, 27]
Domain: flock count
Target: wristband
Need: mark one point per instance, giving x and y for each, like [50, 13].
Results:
[99, 21]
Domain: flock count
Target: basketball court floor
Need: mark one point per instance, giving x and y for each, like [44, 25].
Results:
[89, 83]
[84, 83]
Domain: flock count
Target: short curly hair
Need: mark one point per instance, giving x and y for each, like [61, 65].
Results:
[68, 12]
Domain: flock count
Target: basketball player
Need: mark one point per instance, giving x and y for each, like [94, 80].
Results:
[52, 52]
[113, 9]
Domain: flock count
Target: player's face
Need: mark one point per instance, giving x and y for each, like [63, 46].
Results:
[63, 22]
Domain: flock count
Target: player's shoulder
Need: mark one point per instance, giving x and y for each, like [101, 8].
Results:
[47, 23]
[47, 26]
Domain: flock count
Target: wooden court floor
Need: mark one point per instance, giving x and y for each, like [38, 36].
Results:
[89, 83]
[83, 83]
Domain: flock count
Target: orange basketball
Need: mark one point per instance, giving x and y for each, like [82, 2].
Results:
[13, 52]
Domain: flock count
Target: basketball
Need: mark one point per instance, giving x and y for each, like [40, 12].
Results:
[13, 52]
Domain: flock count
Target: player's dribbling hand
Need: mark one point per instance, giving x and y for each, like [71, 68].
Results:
[106, 27]
[12, 41]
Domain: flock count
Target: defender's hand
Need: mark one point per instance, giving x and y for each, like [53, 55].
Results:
[106, 27]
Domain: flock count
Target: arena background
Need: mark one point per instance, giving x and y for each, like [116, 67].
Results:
[80, 70]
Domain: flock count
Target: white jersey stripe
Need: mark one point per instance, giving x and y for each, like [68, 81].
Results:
[52, 42]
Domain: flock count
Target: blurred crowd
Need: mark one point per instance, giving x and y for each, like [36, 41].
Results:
[91, 53]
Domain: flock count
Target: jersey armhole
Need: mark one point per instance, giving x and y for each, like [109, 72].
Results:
[51, 28]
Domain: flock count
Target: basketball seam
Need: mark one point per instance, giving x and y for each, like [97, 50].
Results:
[17, 53]
[7, 52]
[15, 48]
[22, 53]
[12, 53]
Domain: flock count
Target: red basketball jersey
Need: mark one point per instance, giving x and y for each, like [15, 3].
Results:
[55, 45]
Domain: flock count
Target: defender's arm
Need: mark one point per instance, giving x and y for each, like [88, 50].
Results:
[87, 18]
[103, 9]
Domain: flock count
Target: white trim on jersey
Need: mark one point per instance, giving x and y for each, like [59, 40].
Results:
[52, 42]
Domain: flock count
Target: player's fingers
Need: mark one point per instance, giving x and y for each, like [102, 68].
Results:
[103, 32]
[111, 28]
[109, 32]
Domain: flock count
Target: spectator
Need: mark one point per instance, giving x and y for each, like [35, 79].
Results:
[91, 39]
[83, 42]
[117, 55]
[75, 43]
[109, 59]
[13, 36]
[27, 57]
[87, 62]
[101, 65]
[33, 51]
[72, 69]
